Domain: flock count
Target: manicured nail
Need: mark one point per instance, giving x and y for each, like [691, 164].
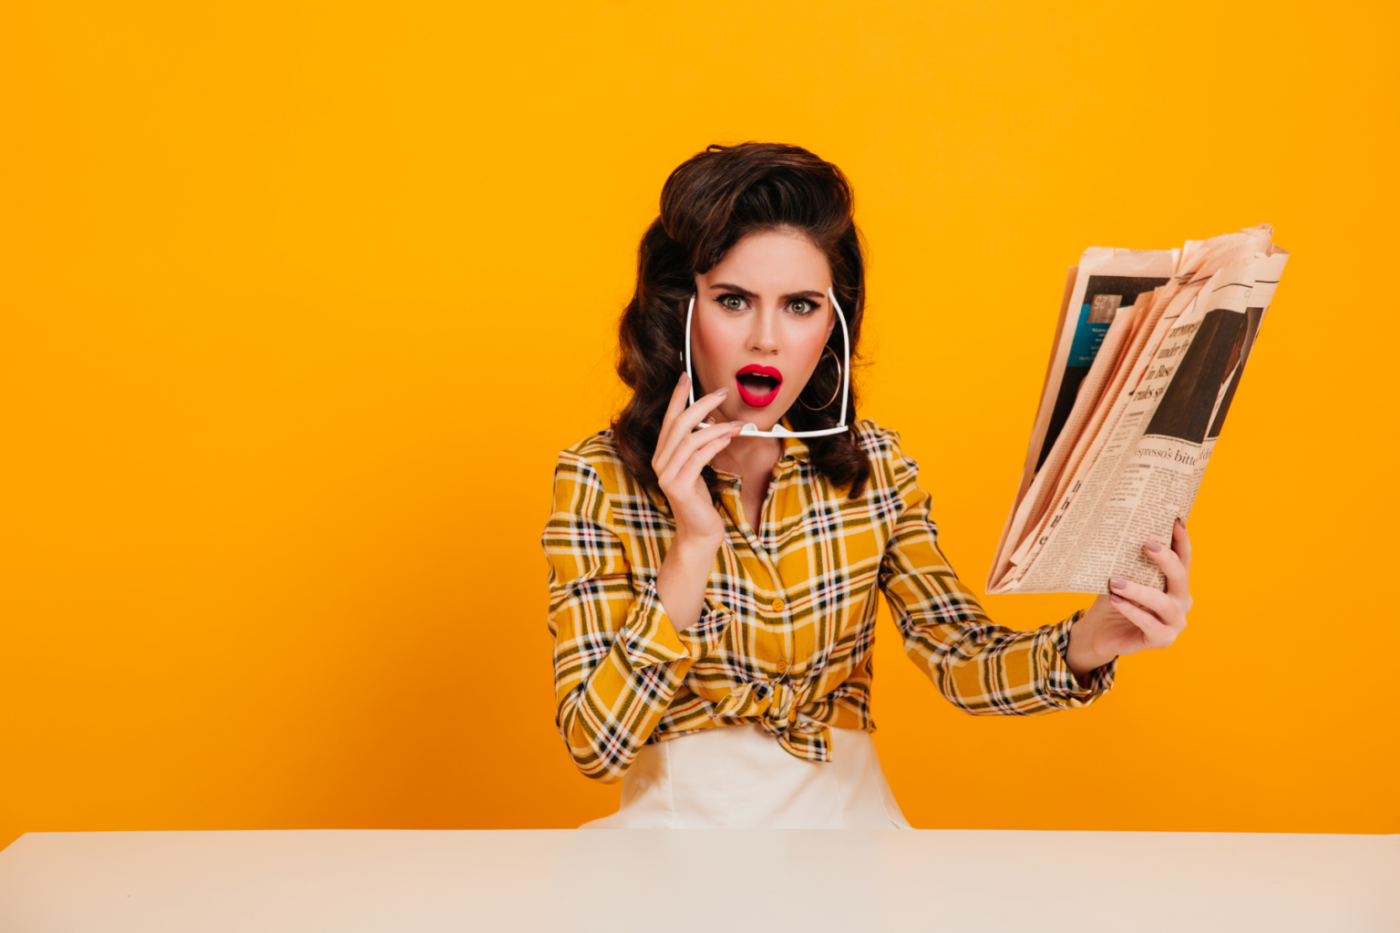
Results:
[1152, 546]
[1116, 584]
[1116, 598]
[721, 393]
[737, 424]
[1181, 523]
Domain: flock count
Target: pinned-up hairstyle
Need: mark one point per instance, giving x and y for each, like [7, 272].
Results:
[708, 204]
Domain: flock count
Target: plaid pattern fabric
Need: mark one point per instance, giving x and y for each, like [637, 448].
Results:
[789, 620]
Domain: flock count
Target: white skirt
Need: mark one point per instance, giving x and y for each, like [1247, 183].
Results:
[737, 777]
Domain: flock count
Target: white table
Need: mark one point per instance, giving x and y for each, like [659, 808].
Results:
[715, 880]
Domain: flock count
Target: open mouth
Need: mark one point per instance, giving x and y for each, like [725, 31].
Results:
[758, 385]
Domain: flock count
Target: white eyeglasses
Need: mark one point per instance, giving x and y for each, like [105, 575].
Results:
[778, 430]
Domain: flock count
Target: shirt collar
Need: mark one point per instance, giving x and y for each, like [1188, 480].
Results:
[793, 447]
[793, 451]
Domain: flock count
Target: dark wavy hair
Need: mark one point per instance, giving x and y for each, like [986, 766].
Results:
[708, 204]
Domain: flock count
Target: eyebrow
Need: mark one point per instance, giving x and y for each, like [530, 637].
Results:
[739, 289]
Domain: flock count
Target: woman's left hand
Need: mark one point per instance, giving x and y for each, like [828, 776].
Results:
[1134, 617]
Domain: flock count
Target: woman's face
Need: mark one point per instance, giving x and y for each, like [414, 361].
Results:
[761, 319]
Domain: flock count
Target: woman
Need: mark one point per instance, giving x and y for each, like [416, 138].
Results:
[713, 596]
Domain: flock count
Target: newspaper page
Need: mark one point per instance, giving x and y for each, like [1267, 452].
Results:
[1130, 450]
[1105, 280]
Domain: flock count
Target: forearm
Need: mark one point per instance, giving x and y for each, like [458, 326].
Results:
[987, 670]
[681, 583]
[1082, 656]
[606, 724]
[609, 705]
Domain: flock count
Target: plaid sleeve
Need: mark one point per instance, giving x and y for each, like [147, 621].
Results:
[980, 667]
[618, 661]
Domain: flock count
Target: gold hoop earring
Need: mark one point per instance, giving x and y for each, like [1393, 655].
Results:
[838, 382]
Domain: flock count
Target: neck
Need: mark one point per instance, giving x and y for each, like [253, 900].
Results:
[749, 457]
[752, 459]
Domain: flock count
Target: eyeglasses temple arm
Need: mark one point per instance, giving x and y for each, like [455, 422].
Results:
[689, 378]
[846, 342]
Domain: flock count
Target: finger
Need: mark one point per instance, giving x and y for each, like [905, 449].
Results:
[1178, 583]
[683, 425]
[1167, 610]
[687, 469]
[680, 398]
[1181, 543]
[686, 447]
[1158, 635]
[679, 395]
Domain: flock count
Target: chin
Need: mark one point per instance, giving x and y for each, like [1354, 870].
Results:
[764, 418]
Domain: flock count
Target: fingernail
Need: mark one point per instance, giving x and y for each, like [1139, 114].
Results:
[737, 424]
[1181, 523]
[1153, 546]
[1116, 584]
[1116, 598]
[722, 392]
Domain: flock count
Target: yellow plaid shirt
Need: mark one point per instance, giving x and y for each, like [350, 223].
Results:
[784, 639]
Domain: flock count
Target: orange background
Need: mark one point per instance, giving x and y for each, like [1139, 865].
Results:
[300, 300]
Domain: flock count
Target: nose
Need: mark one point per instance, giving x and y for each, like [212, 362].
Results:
[764, 336]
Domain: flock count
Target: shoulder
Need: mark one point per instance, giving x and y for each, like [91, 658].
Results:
[876, 441]
[595, 462]
[888, 464]
[595, 448]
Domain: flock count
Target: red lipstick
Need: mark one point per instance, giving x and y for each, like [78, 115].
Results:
[758, 385]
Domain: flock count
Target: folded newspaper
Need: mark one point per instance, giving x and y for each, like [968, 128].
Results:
[1147, 356]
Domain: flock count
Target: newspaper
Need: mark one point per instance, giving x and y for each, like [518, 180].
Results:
[1148, 353]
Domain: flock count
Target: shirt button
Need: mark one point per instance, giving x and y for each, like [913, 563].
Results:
[777, 605]
[782, 667]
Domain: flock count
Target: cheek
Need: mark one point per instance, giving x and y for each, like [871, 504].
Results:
[807, 348]
[714, 348]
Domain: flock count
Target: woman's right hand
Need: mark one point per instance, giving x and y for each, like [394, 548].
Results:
[681, 453]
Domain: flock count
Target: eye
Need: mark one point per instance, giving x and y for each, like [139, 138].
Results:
[802, 306]
[732, 302]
